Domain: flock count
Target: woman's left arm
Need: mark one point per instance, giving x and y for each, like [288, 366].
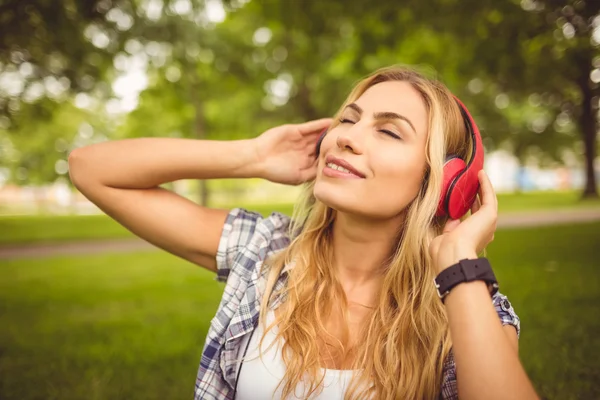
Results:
[485, 352]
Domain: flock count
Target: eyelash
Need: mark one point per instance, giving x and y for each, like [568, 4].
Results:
[389, 133]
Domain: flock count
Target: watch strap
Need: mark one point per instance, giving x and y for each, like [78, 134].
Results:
[466, 271]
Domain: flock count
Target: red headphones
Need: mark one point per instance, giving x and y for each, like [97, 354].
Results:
[460, 183]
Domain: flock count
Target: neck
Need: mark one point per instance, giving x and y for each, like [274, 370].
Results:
[361, 248]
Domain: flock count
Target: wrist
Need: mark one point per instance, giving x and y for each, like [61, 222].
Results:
[449, 256]
[246, 159]
[466, 271]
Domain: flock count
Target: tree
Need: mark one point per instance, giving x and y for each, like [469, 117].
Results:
[326, 56]
[50, 47]
[275, 61]
[546, 48]
[51, 52]
[205, 87]
[36, 146]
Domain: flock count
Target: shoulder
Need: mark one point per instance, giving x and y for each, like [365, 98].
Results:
[247, 238]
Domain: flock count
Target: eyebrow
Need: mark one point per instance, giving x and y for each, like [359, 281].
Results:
[383, 115]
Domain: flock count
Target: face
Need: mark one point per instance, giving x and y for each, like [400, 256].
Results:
[373, 162]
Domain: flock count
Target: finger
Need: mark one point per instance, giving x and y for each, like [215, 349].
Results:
[310, 145]
[311, 138]
[476, 205]
[316, 125]
[488, 196]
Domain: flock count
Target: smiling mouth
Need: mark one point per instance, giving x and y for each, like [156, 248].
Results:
[338, 168]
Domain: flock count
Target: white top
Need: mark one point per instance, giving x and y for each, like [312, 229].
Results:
[259, 377]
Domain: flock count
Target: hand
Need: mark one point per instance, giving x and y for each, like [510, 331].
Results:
[286, 153]
[465, 239]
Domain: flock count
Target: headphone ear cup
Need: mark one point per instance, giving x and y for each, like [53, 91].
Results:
[453, 166]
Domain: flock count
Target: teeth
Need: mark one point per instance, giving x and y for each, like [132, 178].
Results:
[337, 167]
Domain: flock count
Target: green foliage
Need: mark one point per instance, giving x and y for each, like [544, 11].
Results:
[53, 40]
[523, 67]
[37, 145]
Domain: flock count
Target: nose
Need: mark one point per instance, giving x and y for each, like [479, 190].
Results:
[350, 140]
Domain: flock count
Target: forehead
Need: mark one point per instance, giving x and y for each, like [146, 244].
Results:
[398, 97]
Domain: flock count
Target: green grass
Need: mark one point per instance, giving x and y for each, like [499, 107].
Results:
[50, 228]
[531, 201]
[133, 326]
[551, 276]
[44, 228]
[106, 327]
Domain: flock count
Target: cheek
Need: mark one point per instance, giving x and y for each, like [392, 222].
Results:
[328, 142]
[401, 179]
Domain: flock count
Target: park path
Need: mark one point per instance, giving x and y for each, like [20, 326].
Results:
[86, 247]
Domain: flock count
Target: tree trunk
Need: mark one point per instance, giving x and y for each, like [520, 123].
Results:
[306, 108]
[588, 126]
[518, 152]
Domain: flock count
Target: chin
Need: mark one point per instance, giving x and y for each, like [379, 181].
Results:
[345, 203]
[334, 198]
[351, 203]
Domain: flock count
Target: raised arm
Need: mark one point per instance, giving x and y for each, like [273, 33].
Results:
[485, 352]
[122, 179]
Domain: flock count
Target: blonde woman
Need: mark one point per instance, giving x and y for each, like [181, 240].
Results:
[340, 301]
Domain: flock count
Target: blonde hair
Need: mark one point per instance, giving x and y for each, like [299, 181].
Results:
[405, 340]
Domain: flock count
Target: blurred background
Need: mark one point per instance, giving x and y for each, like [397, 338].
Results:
[89, 311]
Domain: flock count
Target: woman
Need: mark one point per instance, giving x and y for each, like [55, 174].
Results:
[337, 302]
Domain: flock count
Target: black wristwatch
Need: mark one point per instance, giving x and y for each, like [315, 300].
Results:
[466, 271]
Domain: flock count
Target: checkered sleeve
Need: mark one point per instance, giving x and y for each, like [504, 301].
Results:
[244, 229]
[237, 232]
[507, 315]
[506, 312]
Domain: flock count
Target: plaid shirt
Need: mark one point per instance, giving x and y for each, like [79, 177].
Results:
[247, 240]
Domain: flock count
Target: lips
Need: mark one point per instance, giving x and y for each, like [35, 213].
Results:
[344, 164]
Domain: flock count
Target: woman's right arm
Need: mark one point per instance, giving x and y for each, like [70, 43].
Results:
[122, 179]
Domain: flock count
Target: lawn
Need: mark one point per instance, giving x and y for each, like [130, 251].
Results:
[133, 326]
[531, 201]
[48, 228]
[45, 228]
[551, 276]
[106, 327]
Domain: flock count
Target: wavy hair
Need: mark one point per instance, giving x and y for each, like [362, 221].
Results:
[405, 340]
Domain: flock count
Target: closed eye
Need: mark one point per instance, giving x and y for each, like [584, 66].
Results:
[387, 132]
[390, 133]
